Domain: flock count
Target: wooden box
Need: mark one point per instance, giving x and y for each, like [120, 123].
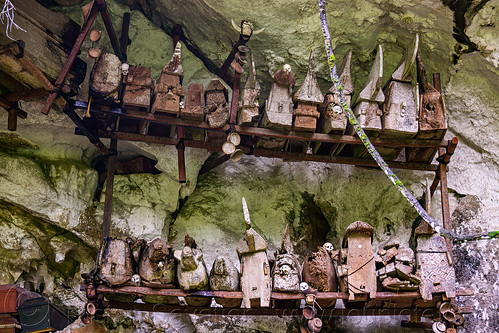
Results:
[39, 315]
[11, 296]
[9, 324]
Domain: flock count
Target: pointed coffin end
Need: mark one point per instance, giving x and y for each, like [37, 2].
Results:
[175, 64]
[310, 91]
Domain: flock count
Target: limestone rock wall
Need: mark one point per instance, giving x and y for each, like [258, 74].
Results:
[52, 192]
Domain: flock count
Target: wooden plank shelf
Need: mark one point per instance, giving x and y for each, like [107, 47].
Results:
[332, 312]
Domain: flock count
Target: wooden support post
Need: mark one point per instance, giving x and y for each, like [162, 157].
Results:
[70, 60]
[222, 159]
[444, 193]
[181, 157]
[234, 103]
[102, 6]
[108, 203]
[125, 26]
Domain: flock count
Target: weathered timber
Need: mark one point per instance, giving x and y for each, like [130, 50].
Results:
[168, 90]
[217, 108]
[367, 109]
[286, 271]
[106, 76]
[137, 93]
[432, 114]
[194, 103]
[400, 111]
[191, 271]
[116, 262]
[361, 278]
[278, 113]
[318, 271]
[225, 277]
[255, 268]
[435, 267]
[307, 99]
[248, 104]
[332, 118]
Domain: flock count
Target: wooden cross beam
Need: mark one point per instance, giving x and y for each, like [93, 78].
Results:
[14, 111]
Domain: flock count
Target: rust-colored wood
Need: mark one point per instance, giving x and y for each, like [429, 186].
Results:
[102, 6]
[108, 201]
[125, 27]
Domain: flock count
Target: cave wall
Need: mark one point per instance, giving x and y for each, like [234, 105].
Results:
[52, 193]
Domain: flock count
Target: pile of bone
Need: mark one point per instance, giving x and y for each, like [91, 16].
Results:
[395, 267]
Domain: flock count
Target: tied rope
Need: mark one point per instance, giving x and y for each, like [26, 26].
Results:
[374, 153]
[7, 18]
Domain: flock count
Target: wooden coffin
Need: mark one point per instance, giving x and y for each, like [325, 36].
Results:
[217, 108]
[136, 96]
[105, 77]
[194, 110]
[278, 112]
[157, 265]
[432, 116]
[333, 119]
[39, 315]
[248, 106]
[435, 267]
[255, 270]
[318, 271]
[367, 110]
[116, 262]
[191, 271]
[307, 98]
[361, 277]
[9, 324]
[168, 90]
[225, 277]
[12, 296]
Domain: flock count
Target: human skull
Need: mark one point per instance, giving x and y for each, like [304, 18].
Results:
[136, 279]
[304, 287]
[329, 247]
[285, 269]
[287, 68]
[124, 68]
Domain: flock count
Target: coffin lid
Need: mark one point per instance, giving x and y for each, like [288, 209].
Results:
[174, 67]
[358, 227]
[216, 84]
[310, 91]
[404, 70]
[251, 82]
[244, 246]
[345, 76]
[372, 88]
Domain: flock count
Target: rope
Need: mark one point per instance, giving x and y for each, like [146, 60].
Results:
[374, 153]
[7, 13]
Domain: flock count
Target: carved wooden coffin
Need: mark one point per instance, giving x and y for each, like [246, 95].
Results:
[255, 270]
[248, 105]
[318, 271]
[367, 109]
[157, 265]
[168, 90]
[400, 111]
[286, 272]
[217, 108]
[191, 272]
[279, 106]
[138, 83]
[435, 267]
[105, 77]
[432, 115]
[333, 119]
[116, 262]
[307, 98]
[360, 265]
[278, 112]
[194, 103]
[224, 276]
